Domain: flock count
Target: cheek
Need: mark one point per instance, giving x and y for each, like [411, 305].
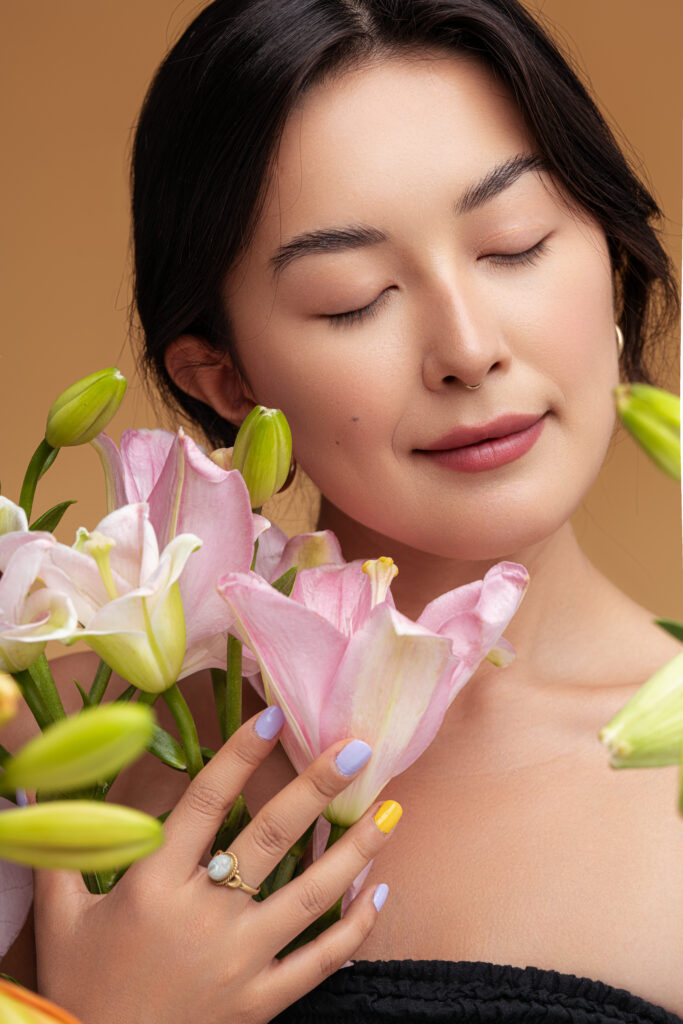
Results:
[335, 400]
[572, 325]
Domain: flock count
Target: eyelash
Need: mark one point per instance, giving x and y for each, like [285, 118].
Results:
[355, 316]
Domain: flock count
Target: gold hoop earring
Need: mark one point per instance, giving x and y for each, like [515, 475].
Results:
[620, 340]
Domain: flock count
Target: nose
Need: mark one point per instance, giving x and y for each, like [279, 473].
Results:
[463, 338]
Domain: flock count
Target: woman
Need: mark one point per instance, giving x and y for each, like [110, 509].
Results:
[361, 212]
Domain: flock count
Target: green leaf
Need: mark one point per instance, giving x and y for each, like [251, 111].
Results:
[100, 682]
[285, 583]
[168, 750]
[51, 519]
[41, 460]
[84, 696]
[48, 461]
[671, 626]
[127, 694]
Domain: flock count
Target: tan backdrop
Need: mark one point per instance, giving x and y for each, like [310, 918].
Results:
[73, 76]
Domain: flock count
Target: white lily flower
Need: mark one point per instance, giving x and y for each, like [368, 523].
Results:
[127, 596]
[29, 617]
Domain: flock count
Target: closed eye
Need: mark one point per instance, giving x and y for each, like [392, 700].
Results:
[355, 316]
[512, 259]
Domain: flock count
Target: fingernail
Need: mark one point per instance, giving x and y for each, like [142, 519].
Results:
[388, 816]
[269, 722]
[352, 758]
[379, 896]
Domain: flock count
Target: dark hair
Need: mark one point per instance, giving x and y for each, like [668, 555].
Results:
[211, 123]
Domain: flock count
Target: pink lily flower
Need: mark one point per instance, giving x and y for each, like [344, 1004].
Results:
[187, 493]
[30, 615]
[341, 661]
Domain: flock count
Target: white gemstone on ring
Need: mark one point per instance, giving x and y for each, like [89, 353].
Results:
[220, 867]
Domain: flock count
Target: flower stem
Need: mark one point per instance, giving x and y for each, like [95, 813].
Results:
[33, 697]
[100, 683]
[187, 729]
[148, 698]
[219, 682]
[233, 694]
[42, 677]
[42, 459]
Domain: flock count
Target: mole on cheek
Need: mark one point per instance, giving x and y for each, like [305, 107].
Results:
[336, 442]
[354, 419]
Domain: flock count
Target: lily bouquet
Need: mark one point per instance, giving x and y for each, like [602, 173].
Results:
[184, 574]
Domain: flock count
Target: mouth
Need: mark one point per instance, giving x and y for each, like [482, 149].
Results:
[488, 445]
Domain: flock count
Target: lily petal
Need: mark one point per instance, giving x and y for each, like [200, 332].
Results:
[16, 895]
[393, 679]
[341, 593]
[297, 650]
[12, 517]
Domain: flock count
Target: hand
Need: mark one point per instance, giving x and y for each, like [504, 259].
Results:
[167, 945]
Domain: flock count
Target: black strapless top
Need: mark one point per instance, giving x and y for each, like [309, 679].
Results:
[467, 992]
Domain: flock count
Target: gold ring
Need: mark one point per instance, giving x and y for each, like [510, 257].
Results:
[224, 870]
[473, 387]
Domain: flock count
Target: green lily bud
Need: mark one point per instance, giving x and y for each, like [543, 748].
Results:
[263, 453]
[84, 409]
[77, 835]
[653, 417]
[81, 750]
[648, 731]
[10, 695]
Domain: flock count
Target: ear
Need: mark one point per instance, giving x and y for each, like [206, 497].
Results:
[199, 371]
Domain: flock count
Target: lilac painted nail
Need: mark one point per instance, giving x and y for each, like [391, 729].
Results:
[379, 895]
[269, 722]
[353, 756]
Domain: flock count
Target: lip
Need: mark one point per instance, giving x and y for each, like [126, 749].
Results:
[514, 436]
[510, 423]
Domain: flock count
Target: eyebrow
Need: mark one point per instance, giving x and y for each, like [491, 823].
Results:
[356, 236]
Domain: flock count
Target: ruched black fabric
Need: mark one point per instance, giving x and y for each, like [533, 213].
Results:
[467, 992]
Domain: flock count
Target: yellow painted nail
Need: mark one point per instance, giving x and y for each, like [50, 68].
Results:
[387, 816]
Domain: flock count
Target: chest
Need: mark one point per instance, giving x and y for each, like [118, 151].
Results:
[572, 867]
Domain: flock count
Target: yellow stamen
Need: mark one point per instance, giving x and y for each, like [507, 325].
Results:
[99, 546]
[381, 572]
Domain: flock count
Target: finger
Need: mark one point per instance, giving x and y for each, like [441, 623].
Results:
[303, 900]
[201, 810]
[280, 822]
[58, 893]
[292, 977]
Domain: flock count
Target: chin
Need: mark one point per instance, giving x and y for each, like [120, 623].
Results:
[503, 542]
[493, 531]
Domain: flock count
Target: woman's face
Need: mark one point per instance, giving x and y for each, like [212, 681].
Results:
[472, 269]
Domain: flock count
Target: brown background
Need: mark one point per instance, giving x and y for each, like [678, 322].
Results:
[73, 75]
